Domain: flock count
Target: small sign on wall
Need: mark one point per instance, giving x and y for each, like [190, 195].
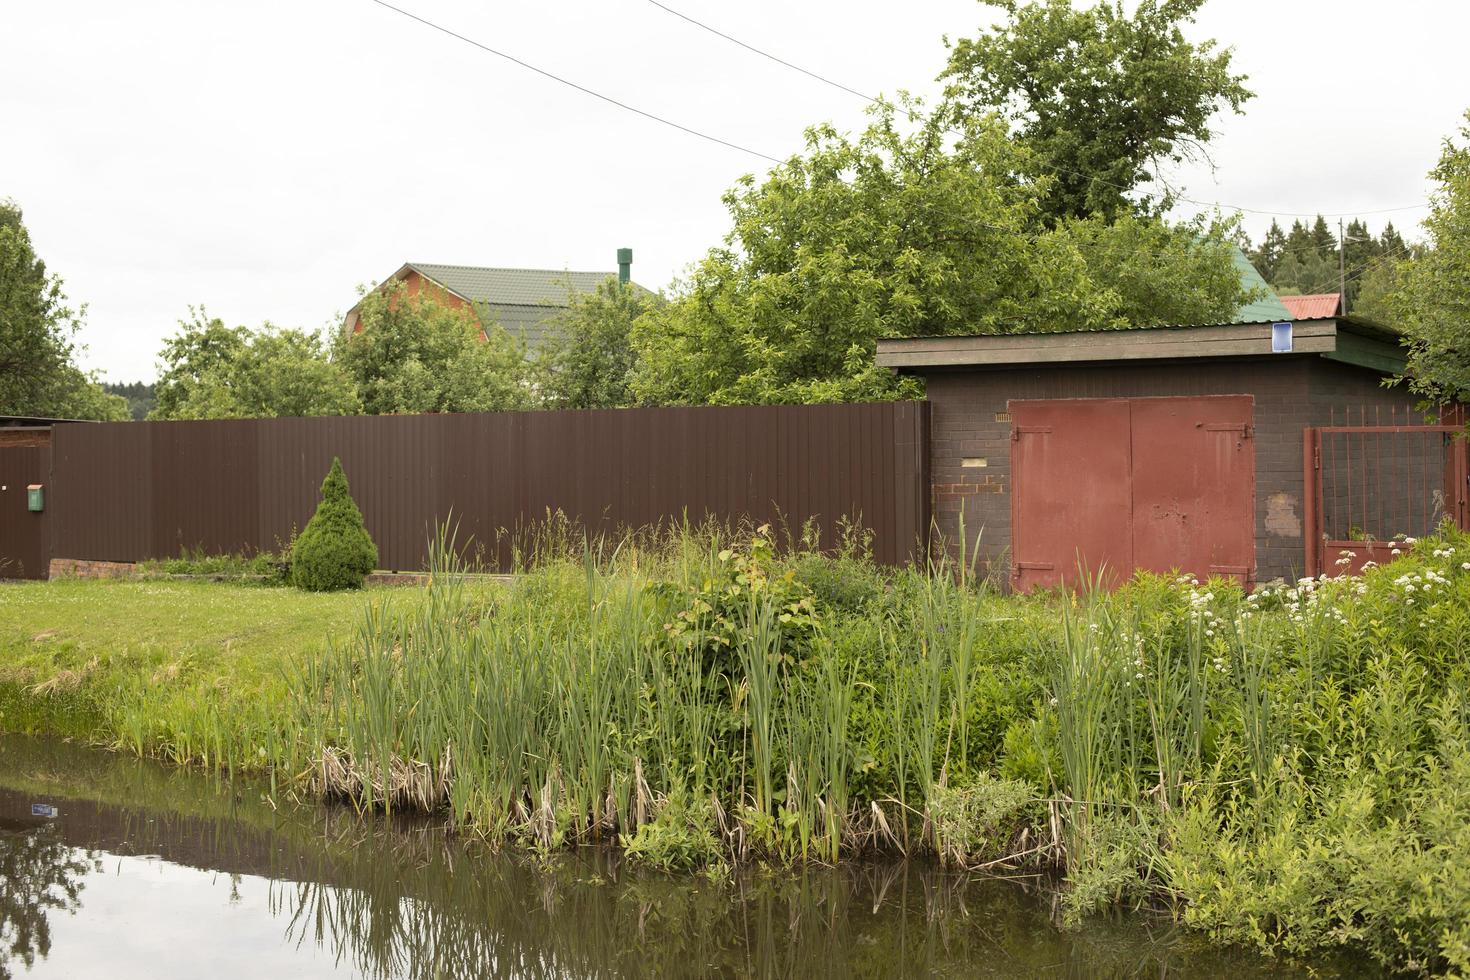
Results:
[1281, 338]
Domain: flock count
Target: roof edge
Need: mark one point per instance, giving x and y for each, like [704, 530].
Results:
[1149, 343]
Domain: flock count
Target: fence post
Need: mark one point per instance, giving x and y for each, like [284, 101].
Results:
[1310, 489]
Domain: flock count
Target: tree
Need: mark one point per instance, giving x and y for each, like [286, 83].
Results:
[1323, 240]
[1101, 99]
[1432, 305]
[901, 234]
[38, 375]
[1376, 287]
[138, 394]
[588, 362]
[211, 371]
[334, 551]
[1306, 271]
[1268, 257]
[414, 354]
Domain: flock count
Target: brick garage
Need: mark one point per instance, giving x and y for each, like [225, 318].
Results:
[1335, 365]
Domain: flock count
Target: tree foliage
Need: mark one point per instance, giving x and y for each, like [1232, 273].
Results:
[38, 373]
[589, 358]
[138, 394]
[904, 233]
[211, 371]
[415, 354]
[1432, 304]
[1305, 260]
[334, 551]
[1102, 99]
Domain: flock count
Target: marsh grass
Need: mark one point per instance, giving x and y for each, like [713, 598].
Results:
[1284, 769]
[602, 685]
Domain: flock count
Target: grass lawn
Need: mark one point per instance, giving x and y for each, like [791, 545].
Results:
[91, 658]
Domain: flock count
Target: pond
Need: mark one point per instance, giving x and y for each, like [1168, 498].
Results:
[117, 867]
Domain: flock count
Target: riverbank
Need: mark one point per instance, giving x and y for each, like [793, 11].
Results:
[1289, 770]
[142, 857]
[187, 671]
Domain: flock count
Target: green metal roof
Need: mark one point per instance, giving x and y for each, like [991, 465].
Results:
[520, 300]
[1268, 308]
[513, 287]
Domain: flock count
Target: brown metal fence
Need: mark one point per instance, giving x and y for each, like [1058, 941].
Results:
[129, 491]
[24, 461]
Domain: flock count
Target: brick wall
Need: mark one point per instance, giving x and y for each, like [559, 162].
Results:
[970, 437]
[80, 568]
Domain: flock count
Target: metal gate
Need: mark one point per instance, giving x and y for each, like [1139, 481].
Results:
[1369, 486]
[1103, 486]
[24, 545]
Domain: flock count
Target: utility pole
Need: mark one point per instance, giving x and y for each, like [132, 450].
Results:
[1342, 265]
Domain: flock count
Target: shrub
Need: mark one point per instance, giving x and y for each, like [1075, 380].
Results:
[979, 821]
[262, 567]
[334, 551]
[681, 838]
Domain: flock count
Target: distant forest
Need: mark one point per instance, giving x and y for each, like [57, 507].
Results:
[139, 396]
[1305, 260]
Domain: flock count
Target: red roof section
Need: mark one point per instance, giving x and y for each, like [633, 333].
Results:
[1315, 306]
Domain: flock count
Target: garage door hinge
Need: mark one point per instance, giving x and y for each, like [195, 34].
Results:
[1016, 431]
[1245, 429]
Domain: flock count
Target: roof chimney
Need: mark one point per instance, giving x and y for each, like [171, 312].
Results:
[625, 265]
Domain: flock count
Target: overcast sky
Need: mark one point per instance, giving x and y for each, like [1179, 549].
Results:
[263, 158]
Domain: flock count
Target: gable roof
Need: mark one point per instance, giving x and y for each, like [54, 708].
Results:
[512, 287]
[523, 301]
[1313, 306]
[1269, 307]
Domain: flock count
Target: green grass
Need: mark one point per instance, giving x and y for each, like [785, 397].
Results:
[152, 664]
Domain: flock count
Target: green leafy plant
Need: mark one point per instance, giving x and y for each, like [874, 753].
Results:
[335, 550]
[681, 838]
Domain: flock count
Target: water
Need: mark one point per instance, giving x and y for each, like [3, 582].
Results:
[147, 871]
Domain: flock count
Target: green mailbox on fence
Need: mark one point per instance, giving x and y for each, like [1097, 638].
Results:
[35, 498]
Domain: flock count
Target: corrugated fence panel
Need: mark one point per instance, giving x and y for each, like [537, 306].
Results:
[101, 493]
[127, 491]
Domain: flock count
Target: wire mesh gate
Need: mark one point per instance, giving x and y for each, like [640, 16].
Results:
[1371, 484]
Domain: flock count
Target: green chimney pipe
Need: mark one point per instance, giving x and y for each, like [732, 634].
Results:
[625, 265]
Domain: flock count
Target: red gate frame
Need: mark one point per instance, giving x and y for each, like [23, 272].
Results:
[1457, 473]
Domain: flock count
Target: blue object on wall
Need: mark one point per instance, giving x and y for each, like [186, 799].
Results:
[1281, 338]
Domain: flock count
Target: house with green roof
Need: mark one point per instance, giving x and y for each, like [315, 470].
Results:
[525, 302]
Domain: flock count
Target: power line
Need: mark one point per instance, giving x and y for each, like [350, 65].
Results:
[883, 103]
[694, 132]
[580, 88]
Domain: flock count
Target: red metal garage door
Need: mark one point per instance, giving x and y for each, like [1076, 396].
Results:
[1070, 507]
[1104, 486]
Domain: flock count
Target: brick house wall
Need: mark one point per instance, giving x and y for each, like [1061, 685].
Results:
[971, 437]
[415, 284]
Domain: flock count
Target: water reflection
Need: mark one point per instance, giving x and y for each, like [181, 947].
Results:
[153, 872]
[40, 875]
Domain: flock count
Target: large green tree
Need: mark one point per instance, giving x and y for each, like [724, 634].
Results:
[588, 360]
[1432, 303]
[415, 354]
[1101, 97]
[210, 371]
[38, 373]
[902, 232]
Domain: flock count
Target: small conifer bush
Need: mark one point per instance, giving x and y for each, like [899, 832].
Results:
[335, 550]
